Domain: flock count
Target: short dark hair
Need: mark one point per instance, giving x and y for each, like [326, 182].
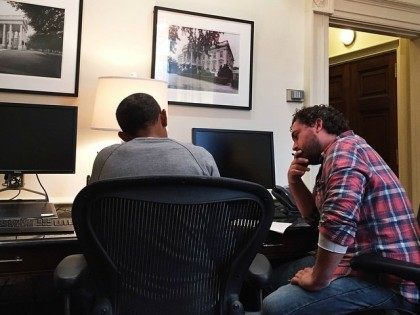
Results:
[136, 112]
[334, 121]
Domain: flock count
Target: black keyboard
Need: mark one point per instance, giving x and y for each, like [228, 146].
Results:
[35, 226]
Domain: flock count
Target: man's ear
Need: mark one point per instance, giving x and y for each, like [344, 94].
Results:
[124, 136]
[319, 124]
[164, 118]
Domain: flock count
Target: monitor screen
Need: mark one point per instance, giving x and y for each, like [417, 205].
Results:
[240, 154]
[37, 138]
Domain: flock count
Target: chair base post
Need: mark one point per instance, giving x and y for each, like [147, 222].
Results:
[66, 304]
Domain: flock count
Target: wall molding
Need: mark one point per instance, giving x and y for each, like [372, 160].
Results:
[364, 53]
[323, 6]
[382, 16]
[392, 4]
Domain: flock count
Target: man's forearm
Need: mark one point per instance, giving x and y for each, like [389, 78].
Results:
[325, 265]
[318, 277]
[303, 198]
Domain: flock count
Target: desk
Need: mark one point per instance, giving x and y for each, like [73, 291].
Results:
[27, 263]
[26, 267]
[42, 253]
[36, 253]
[295, 242]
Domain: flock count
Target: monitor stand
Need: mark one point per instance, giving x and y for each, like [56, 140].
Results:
[26, 209]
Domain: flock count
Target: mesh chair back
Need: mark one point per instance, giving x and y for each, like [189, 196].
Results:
[171, 245]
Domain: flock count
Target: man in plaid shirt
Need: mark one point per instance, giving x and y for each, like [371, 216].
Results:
[360, 207]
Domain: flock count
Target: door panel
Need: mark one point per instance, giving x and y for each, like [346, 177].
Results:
[369, 100]
[339, 89]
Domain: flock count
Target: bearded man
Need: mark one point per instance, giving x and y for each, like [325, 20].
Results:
[359, 206]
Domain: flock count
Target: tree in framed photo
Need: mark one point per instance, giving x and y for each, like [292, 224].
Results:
[48, 26]
[203, 56]
[36, 45]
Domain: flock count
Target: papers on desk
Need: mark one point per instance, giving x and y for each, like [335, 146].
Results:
[279, 227]
[47, 214]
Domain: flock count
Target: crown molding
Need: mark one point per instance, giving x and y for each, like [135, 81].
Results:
[323, 6]
[364, 53]
[389, 17]
[400, 5]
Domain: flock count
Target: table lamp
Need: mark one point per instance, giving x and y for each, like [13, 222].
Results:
[112, 90]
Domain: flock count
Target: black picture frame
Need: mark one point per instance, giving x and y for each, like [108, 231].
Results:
[205, 59]
[40, 56]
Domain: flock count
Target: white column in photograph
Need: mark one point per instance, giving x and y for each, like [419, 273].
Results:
[20, 38]
[10, 37]
[3, 39]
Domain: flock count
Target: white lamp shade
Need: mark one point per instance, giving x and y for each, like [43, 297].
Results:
[112, 90]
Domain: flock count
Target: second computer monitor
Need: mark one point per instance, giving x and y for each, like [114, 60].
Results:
[241, 154]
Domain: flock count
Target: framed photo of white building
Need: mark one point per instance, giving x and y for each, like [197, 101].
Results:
[205, 59]
[40, 46]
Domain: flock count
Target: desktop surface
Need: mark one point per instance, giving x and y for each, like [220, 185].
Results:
[17, 209]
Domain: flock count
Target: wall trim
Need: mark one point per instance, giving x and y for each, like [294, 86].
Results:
[382, 16]
[364, 53]
[392, 4]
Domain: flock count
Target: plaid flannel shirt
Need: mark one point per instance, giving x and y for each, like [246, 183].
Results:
[363, 206]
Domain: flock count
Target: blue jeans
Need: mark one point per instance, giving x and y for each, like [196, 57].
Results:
[342, 296]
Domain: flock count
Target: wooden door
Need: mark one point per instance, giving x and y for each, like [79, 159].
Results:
[365, 91]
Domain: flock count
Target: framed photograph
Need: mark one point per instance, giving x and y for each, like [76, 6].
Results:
[40, 46]
[206, 59]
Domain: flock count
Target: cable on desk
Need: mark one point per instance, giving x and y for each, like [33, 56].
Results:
[40, 184]
[16, 195]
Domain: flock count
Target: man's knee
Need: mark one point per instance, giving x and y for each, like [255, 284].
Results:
[270, 306]
[280, 300]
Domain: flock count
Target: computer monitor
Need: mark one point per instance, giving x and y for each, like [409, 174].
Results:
[36, 139]
[240, 154]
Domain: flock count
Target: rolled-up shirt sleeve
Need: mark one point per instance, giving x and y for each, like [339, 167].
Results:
[345, 181]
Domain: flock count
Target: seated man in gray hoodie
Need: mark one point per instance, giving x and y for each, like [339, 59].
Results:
[147, 150]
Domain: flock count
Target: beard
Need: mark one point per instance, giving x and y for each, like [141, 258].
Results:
[312, 151]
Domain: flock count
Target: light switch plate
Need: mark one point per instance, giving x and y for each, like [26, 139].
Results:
[295, 95]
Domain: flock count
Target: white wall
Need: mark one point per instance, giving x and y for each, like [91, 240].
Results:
[117, 40]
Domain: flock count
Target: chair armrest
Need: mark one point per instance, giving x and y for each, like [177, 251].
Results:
[377, 264]
[69, 272]
[259, 273]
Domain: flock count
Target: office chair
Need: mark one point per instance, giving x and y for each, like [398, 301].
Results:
[375, 263]
[167, 245]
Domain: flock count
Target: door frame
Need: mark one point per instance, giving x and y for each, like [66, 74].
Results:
[389, 17]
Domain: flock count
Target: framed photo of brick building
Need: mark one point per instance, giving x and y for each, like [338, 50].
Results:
[206, 59]
[40, 46]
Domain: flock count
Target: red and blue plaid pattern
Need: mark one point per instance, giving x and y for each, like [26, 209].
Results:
[363, 206]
